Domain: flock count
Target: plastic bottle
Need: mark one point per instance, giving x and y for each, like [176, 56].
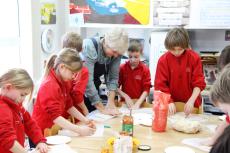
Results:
[127, 124]
[160, 108]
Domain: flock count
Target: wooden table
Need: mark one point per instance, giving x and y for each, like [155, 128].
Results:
[157, 141]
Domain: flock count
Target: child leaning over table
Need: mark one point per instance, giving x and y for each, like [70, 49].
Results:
[78, 85]
[179, 72]
[134, 77]
[15, 121]
[223, 61]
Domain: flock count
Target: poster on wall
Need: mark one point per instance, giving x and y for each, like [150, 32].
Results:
[48, 13]
[110, 11]
[215, 13]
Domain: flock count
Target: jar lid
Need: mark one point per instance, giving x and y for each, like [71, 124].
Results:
[144, 147]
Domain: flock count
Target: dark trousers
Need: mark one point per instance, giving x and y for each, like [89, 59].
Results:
[99, 70]
[32, 145]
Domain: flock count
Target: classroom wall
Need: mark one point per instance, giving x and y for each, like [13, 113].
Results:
[59, 29]
[208, 39]
[141, 33]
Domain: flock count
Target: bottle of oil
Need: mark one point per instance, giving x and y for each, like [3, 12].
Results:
[127, 124]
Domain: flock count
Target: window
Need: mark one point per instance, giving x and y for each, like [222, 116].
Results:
[9, 35]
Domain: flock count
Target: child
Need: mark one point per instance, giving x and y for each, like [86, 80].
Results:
[134, 77]
[223, 61]
[222, 144]
[79, 83]
[224, 58]
[15, 121]
[179, 72]
[53, 99]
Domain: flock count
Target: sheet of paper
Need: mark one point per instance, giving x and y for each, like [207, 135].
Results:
[196, 143]
[211, 127]
[97, 116]
[99, 131]
[125, 110]
[57, 149]
[142, 118]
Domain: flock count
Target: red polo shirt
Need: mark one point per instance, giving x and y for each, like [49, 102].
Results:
[15, 122]
[178, 76]
[134, 81]
[53, 100]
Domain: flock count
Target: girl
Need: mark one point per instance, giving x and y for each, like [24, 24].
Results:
[15, 121]
[78, 84]
[179, 72]
[53, 99]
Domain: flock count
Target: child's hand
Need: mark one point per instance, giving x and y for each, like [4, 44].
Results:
[129, 101]
[91, 124]
[188, 108]
[136, 106]
[85, 130]
[109, 111]
[42, 147]
[85, 112]
[172, 109]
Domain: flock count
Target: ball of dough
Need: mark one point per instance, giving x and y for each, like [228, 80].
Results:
[187, 126]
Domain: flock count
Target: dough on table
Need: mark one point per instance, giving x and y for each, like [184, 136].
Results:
[187, 126]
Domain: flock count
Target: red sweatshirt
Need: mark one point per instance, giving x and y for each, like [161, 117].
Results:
[53, 100]
[134, 82]
[15, 122]
[79, 85]
[180, 75]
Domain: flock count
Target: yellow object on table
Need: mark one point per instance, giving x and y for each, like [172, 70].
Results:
[111, 140]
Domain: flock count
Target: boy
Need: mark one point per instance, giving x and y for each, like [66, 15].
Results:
[134, 77]
[179, 72]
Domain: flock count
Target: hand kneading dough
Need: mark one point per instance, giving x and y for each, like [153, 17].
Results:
[187, 126]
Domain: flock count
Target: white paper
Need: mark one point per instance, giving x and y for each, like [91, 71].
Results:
[196, 143]
[126, 111]
[63, 148]
[99, 131]
[211, 127]
[142, 118]
[97, 116]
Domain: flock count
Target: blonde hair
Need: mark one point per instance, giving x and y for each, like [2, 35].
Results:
[72, 40]
[19, 78]
[177, 37]
[67, 56]
[220, 91]
[117, 39]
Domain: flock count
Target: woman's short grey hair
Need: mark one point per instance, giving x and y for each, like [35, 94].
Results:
[117, 39]
[220, 92]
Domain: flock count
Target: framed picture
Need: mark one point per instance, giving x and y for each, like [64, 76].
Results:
[112, 11]
[48, 13]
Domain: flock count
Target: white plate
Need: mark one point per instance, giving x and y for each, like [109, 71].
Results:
[178, 149]
[57, 139]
